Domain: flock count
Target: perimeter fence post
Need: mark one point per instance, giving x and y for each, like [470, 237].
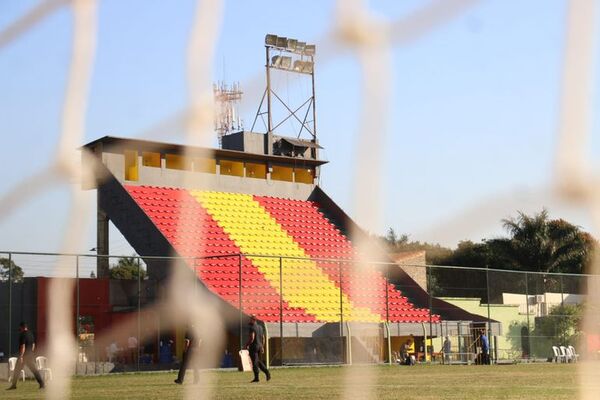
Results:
[527, 311]
[387, 313]
[489, 319]
[10, 272]
[241, 316]
[78, 316]
[281, 308]
[340, 277]
[139, 310]
[430, 287]
[387, 294]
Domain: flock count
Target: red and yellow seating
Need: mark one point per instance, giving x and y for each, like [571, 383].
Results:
[227, 225]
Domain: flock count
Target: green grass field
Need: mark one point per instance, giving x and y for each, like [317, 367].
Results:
[535, 381]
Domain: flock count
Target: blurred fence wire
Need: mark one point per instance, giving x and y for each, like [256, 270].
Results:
[355, 30]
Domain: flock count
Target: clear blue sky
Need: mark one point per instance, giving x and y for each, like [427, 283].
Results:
[474, 106]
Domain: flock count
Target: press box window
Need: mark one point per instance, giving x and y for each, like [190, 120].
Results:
[150, 159]
[206, 165]
[175, 161]
[131, 165]
[233, 168]
[304, 175]
[280, 173]
[258, 171]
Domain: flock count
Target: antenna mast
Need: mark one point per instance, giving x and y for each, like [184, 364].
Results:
[227, 101]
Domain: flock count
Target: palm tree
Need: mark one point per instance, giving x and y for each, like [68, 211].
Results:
[537, 243]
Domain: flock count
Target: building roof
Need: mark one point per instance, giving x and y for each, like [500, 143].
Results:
[148, 145]
[301, 143]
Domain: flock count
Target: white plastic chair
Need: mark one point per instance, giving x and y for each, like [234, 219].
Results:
[573, 353]
[558, 357]
[565, 353]
[41, 363]
[569, 353]
[12, 364]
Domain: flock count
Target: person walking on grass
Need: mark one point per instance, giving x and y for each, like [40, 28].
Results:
[26, 357]
[255, 346]
[190, 355]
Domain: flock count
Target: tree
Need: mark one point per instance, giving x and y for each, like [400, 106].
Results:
[537, 243]
[391, 238]
[467, 254]
[127, 268]
[5, 266]
[562, 326]
[462, 282]
[398, 243]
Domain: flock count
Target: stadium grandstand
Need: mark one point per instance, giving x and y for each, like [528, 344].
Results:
[261, 236]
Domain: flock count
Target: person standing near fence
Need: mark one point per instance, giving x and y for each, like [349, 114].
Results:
[26, 357]
[485, 348]
[256, 347]
[447, 348]
[132, 346]
[190, 355]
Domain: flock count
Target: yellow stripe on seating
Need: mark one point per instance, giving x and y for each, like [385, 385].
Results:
[256, 232]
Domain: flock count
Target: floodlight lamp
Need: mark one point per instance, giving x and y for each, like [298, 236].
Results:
[300, 47]
[281, 42]
[309, 50]
[286, 62]
[307, 67]
[276, 61]
[298, 65]
[271, 40]
[291, 44]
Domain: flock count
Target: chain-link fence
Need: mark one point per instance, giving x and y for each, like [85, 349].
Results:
[448, 315]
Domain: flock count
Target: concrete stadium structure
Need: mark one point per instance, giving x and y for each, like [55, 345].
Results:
[131, 171]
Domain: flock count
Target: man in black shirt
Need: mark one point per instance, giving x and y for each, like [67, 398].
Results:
[255, 346]
[190, 354]
[26, 349]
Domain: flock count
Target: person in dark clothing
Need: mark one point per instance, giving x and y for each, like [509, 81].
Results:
[255, 346]
[26, 350]
[485, 348]
[190, 354]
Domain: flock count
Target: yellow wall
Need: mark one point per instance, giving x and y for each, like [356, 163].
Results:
[280, 173]
[150, 159]
[234, 168]
[258, 171]
[175, 161]
[304, 175]
[131, 165]
[206, 165]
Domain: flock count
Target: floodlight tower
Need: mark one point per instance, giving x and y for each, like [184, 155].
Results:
[289, 56]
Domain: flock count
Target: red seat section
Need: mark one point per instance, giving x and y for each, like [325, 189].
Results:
[320, 239]
[194, 233]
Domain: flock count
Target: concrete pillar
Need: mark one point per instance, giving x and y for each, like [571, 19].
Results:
[102, 263]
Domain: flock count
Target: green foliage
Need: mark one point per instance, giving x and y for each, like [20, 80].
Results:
[397, 244]
[534, 243]
[127, 268]
[537, 243]
[562, 326]
[5, 266]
